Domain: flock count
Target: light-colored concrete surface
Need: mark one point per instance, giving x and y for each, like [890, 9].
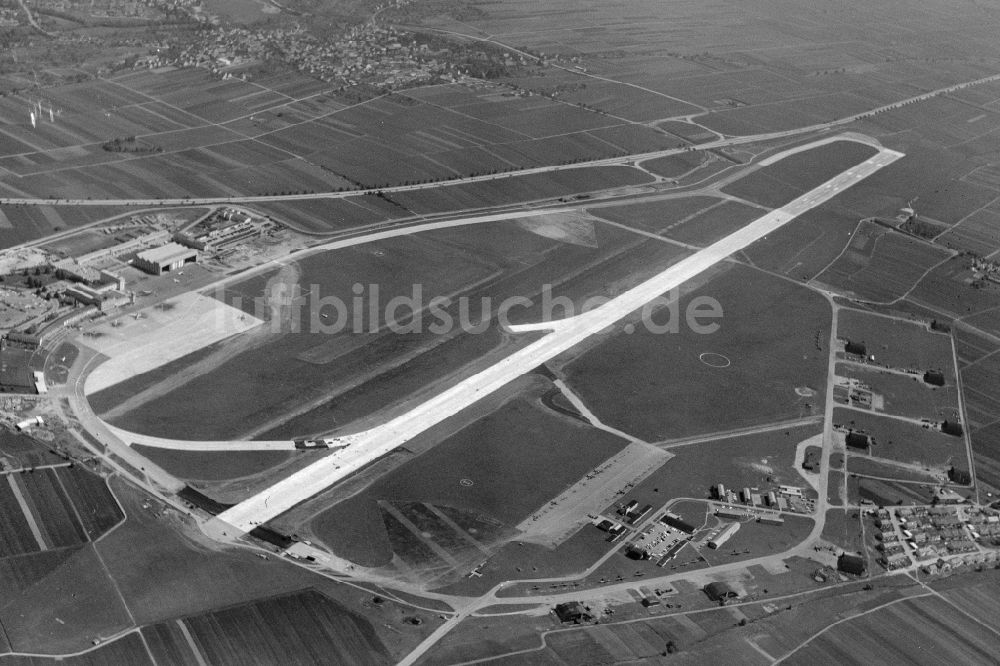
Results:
[135, 345]
[379, 441]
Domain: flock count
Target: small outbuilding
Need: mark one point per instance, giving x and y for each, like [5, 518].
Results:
[852, 564]
[858, 440]
[934, 378]
[721, 592]
[572, 611]
[953, 428]
[856, 348]
[959, 476]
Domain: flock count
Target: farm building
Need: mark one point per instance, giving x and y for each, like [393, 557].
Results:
[572, 611]
[852, 564]
[856, 348]
[952, 428]
[857, 440]
[721, 592]
[165, 258]
[934, 377]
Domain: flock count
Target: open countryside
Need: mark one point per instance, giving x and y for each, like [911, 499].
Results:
[394, 332]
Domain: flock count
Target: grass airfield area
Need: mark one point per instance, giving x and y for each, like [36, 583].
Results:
[770, 341]
[778, 183]
[497, 471]
[594, 97]
[312, 380]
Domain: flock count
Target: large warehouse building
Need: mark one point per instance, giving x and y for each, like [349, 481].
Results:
[165, 258]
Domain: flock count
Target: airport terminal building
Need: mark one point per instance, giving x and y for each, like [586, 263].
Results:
[165, 258]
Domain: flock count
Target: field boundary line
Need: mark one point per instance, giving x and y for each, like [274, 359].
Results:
[118, 503]
[76, 511]
[29, 517]
[190, 641]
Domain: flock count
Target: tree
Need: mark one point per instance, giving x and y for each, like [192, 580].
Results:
[671, 647]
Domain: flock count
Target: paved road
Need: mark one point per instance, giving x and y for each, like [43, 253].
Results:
[372, 444]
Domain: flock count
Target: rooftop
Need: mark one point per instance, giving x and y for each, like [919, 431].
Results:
[165, 253]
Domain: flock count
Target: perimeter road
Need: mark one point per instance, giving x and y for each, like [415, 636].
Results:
[379, 441]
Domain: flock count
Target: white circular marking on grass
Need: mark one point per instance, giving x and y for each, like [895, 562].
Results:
[466, 482]
[714, 360]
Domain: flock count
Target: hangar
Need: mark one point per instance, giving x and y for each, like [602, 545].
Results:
[721, 592]
[165, 258]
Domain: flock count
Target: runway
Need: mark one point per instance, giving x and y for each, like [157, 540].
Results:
[372, 444]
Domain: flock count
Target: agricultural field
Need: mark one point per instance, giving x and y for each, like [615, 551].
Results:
[982, 403]
[22, 451]
[907, 631]
[300, 628]
[128, 649]
[978, 233]
[163, 569]
[246, 140]
[976, 596]
[322, 216]
[905, 441]
[880, 264]
[986, 456]
[54, 508]
[897, 343]
[81, 603]
[20, 224]
[660, 386]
